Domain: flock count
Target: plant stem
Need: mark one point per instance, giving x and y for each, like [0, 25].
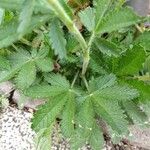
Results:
[75, 78]
[85, 82]
[86, 56]
[91, 40]
[60, 12]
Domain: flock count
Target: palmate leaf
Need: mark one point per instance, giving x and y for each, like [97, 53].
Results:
[26, 75]
[46, 115]
[107, 47]
[59, 85]
[23, 63]
[87, 18]
[131, 62]
[61, 99]
[25, 16]
[8, 32]
[106, 100]
[57, 39]
[117, 19]
[17, 60]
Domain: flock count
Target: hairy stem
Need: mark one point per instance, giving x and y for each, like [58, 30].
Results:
[85, 82]
[60, 12]
[75, 78]
[87, 55]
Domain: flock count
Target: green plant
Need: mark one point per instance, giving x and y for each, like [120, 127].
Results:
[85, 61]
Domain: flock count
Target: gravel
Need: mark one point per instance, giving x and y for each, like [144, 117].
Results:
[15, 130]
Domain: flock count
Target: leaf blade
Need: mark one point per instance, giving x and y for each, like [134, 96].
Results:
[57, 39]
[25, 16]
[117, 19]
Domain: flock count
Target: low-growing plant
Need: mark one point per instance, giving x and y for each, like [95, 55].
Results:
[88, 59]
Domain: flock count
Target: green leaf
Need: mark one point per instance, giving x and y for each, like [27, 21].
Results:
[25, 16]
[26, 76]
[143, 89]
[101, 6]
[4, 63]
[45, 64]
[2, 14]
[111, 113]
[44, 91]
[57, 80]
[131, 62]
[147, 64]
[88, 18]
[8, 32]
[8, 74]
[17, 61]
[102, 82]
[96, 140]
[42, 140]
[19, 58]
[85, 124]
[46, 115]
[107, 47]
[145, 107]
[134, 112]
[85, 119]
[57, 39]
[117, 19]
[15, 4]
[97, 64]
[117, 93]
[68, 116]
[144, 40]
